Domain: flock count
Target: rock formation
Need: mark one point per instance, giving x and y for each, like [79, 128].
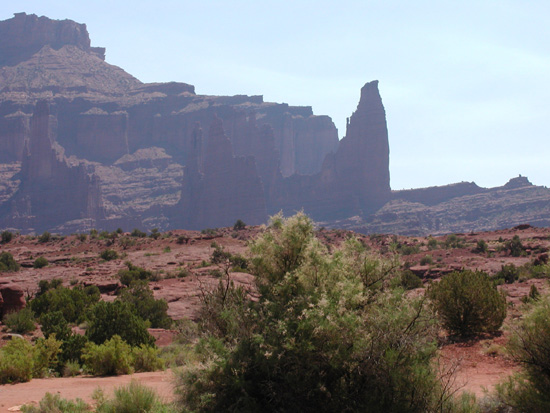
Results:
[116, 152]
[228, 189]
[12, 298]
[52, 191]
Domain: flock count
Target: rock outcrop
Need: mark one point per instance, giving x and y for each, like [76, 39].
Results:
[52, 191]
[12, 298]
[229, 187]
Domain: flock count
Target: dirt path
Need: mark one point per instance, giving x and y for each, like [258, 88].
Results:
[14, 395]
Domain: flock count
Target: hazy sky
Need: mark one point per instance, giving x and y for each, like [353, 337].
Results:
[465, 83]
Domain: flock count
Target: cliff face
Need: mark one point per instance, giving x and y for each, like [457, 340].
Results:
[109, 151]
[52, 191]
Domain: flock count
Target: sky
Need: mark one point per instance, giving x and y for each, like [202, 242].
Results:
[465, 84]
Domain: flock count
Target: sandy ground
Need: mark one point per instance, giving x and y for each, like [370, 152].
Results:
[12, 396]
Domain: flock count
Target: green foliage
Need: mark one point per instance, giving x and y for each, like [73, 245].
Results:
[133, 273]
[134, 398]
[8, 263]
[117, 318]
[108, 359]
[182, 239]
[108, 255]
[138, 234]
[481, 247]
[146, 358]
[16, 361]
[239, 225]
[410, 280]
[45, 285]
[327, 334]
[71, 369]
[454, 241]
[72, 303]
[155, 234]
[141, 299]
[426, 260]
[46, 353]
[515, 247]
[6, 237]
[40, 262]
[509, 273]
[20, 322]
[81, 237]
[432, 243]
[55, 404]
[530, 346]
[45, 237]
[468, 303]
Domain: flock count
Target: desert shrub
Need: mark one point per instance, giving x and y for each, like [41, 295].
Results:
[454, 241]
[146, 358]
[54, 403]
[45, 237]
[53, 322]
[509, 273]
[426, 260]
[8, 263]
[108, 255]
[530, 346]
[138, 234]
[481, 247]
[133, 398]
[46, 353]
[515, 247]
[182, 239]
[21, 321]
[239, 225]
[155, 234]
[140, 297]
[432, 243]
[111, 358]
[16, 361]
[40, 262]
[72, 303]
[133, 273]
[409, 280]
[326, 334]
[117, 318]
[45, 285]
[72, 369]
[468, 303]
[6, 237]
[81, 237]
[126, 242]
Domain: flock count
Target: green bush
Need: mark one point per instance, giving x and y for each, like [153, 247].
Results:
[46, 359]
[468, 303]
[55, 404]
[108, 255]
[326, 334]
[239, 225]
[6, 237]
[16, 361]
[138, 234]
[454, 241]
[134, 398]
[20, 322]
[40, 262]
[117, 318]
[529, 345]
[146, 358]
[515, 247]
[7, 262]
[409, 280]
[45, 237]
[71, 369]
[426, 260]
[72, 303]
[481, 247]
[155, 234]
[140, 297]
[432, 243]
[133, 273]
[509, 273]
[108, 359]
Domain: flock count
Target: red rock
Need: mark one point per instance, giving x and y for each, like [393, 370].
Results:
[12, 298]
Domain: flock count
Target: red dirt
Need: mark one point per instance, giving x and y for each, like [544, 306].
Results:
[12, 396]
